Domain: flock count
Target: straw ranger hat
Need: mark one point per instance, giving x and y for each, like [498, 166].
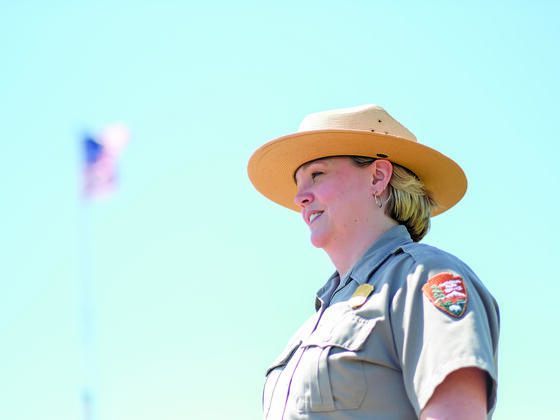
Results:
[366, 130]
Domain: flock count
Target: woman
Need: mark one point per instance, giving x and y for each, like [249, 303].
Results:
[402, 330]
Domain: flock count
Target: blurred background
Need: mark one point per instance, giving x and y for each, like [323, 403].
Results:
[191, 281]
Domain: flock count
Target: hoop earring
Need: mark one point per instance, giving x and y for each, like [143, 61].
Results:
[378, 200]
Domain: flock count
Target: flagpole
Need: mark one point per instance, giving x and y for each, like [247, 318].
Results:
[87, 310]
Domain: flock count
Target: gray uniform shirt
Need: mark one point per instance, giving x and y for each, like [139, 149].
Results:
[381, 356]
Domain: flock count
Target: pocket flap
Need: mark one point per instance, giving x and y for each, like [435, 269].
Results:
[285, 356]
[349, 333]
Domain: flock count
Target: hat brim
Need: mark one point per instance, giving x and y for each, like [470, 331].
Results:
[273, 165]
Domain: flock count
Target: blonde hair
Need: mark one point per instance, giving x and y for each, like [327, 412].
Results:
[408, 203]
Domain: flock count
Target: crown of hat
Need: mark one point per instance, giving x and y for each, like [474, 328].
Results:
[372, 118]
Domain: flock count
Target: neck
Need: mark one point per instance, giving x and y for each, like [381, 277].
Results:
[345, 253]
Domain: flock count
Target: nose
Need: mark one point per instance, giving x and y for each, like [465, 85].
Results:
[303, 198]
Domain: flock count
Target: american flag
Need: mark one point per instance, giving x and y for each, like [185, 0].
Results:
[101, 153]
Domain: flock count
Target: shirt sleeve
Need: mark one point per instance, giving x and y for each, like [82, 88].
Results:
[434, 336]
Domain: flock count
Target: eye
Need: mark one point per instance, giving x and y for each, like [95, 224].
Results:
[315, 174]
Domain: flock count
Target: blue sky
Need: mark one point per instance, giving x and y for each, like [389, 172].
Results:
[198, 281]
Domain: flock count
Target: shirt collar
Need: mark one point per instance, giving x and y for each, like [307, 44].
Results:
[389, 243]
[324, 294]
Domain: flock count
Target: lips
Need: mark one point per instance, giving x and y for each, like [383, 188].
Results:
[313, 215]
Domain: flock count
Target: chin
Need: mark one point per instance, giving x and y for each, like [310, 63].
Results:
[319, 240]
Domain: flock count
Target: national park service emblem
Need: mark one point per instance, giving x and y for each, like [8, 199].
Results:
[448, 293]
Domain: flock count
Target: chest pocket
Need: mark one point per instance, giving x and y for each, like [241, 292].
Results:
[273, 373]
[330, 375]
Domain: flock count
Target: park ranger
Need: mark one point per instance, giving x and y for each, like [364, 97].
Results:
[402, 330]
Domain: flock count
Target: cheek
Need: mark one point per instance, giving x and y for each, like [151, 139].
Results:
[346, 202]
[354, 207]
[328, 194]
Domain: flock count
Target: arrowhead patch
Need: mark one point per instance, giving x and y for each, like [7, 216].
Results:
[448, 293]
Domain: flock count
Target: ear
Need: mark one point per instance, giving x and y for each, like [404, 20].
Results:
[381, 171]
